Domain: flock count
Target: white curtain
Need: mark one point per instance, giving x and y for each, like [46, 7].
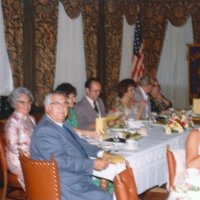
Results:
[70, 56]
[6, 81]
[127, 50]
[173, 67]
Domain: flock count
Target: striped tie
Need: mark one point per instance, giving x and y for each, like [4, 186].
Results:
[96, 108]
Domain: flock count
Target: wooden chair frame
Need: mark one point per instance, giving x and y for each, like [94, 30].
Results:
[45, 187]
[10, 181]
[171, 163]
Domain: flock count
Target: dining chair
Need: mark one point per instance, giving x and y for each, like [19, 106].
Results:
[41, 178]
[171, 163]
[176, 165]
[11, 186]
[124, 185]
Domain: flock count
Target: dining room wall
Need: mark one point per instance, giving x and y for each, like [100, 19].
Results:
[31, 31]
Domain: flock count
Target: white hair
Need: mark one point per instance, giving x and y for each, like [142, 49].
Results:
[17, 93]
[47, 99]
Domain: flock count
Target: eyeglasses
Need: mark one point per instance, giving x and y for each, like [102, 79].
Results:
[25, 102]
[57, 104]
[96, 91]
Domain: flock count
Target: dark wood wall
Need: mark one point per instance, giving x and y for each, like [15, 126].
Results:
[31, 36]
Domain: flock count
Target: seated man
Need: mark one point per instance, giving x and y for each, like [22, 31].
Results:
[145, 86]
[53, 136]
[91, 106]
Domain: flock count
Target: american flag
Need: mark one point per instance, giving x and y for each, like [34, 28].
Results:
[138, 53]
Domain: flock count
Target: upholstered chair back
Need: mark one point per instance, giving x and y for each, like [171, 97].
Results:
[41, 178]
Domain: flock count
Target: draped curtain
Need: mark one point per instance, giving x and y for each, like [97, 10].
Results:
[46, 17]
[6, 81]
[13, 23]
[173, 68]
[70, 59]
[127, 50]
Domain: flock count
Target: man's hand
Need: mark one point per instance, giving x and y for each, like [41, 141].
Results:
[100, 164]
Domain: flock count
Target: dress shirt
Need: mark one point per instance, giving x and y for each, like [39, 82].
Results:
[146, 97]
[143, 93]
[91, 101]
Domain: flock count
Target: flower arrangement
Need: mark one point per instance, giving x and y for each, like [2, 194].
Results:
[177, 122]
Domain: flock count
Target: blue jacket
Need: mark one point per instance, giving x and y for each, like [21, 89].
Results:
[72, 155]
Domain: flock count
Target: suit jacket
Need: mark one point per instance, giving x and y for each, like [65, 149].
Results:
[72, 155]
[138, 96]
[85, 113]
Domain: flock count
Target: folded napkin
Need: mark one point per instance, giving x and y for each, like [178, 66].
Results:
[112, 117]
[111, 171]
[114, 159]
[135, 124]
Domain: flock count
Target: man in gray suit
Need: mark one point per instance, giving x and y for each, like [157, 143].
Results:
[145, 85]
[53, 136]
[91, 106]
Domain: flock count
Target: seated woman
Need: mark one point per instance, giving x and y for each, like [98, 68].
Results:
[18, 129]
[159, 103]
[125, 107]
[190, 187]
[70, 91]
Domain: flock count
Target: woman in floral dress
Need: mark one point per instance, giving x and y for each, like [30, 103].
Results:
[18, 129]
[125, 107]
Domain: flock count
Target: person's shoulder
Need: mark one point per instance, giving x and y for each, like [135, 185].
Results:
[194, 135]
[44, 126]
[14, 119]
[44, 122]
[81, 102]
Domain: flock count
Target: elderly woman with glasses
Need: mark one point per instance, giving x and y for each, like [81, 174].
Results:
[159, 103]
[18, 129]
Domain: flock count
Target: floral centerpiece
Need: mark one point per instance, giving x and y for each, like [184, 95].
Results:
[177, 122]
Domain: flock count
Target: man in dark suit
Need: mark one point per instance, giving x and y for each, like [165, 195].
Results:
[91, 106]
[53, 136]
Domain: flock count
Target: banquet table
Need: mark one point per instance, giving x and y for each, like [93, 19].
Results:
[148, 160]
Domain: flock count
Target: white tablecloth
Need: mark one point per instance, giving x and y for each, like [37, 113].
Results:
[149, 159]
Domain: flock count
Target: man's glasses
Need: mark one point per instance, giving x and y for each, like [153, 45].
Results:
[96, 91]
[58, 104]
[25, 102]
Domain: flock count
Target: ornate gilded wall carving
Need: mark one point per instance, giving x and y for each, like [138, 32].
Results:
[153, 27]
[72, 7]
[13, 13]
[113, 41]
[46, 17]
[90, 10]
[194, 10]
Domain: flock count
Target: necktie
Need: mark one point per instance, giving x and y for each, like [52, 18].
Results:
[96, 108]
[75, 140]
